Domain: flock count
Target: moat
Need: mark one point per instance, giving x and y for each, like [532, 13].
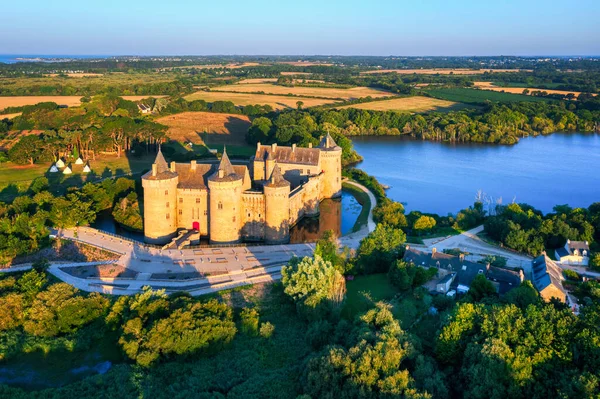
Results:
[561, 168]
[338, 215]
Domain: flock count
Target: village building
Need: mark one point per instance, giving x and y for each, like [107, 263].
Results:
[574, 253]
[457, 273]
[256, 201]
[144, 109]
[548, 278]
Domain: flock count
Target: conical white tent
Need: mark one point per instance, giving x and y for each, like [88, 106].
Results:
[87, 169]
[60, 163]
[67, 171]
[79, 161]
[53, 169]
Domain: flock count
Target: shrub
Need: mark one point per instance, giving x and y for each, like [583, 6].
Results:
[249, 321]
[266, 330]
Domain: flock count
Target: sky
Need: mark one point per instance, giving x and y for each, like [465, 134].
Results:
[309, 27]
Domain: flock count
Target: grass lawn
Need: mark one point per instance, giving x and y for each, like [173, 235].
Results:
[15, 179]
[363, 199]
[376, 286]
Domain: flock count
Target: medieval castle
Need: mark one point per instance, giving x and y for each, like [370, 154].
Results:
[257, 201]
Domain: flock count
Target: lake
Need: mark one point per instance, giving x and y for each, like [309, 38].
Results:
[561, 168]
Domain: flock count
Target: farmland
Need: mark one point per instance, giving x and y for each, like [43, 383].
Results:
[475, 96]
[324, 92]
[199, 127]
[410, 104]
[277, 102]
[70, 101]
[441, 71]
[519, 90]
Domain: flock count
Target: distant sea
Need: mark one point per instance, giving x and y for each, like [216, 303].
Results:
[13, 58]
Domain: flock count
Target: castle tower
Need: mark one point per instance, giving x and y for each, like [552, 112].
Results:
[160, 202]
[331, 164]
[270, 162]
[225, 203]
[277, 208]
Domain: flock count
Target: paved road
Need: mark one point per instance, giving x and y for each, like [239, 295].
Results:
[469, 242]
[224, 267]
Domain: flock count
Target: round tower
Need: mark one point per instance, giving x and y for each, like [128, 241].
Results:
[225, 203]
[331, 165]
[277, 208]
[160, 202]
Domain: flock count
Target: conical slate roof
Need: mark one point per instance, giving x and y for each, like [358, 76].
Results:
[277, 179]
[53, 169]
[60, 163]
[161, 163]
[86, 168]
[225, 171]
[67, 170]
[327, 143]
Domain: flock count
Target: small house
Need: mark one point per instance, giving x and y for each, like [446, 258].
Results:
[53, 169]
[443, 286]
[86, 168]
[574, 253]
[548, 278]
[144, 109]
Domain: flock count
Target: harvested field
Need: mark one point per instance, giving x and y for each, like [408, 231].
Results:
[214, 66]
[325, 92]
[277, 102]
[410, 104]
[442, 71]
[296, 73]
[519, 90]
[77, 75]
[10, 116]
[256, 80]
[305, 63]
[196, 127]
[70, 101]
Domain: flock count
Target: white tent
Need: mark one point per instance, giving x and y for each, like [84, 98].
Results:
[60, 163]
[67, 171]
[53, 169]
[87, 169]
[79, 161]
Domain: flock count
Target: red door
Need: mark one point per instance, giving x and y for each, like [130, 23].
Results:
[196, 226]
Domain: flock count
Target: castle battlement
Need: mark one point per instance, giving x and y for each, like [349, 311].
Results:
[254, 201]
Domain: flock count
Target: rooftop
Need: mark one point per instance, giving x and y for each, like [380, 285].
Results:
[293, 155]
[546, 273]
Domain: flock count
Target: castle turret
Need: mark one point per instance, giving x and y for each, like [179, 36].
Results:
[331, 164]
[277, 208]
[160, 201]
[225, 192]
[270, 161]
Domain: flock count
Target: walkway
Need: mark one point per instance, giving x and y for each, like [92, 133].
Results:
[198, 271]
[468, 241]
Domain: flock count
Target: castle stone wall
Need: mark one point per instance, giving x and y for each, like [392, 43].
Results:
[277, 209]
[331, 182]
[192, 207]
[253, 217]
[160, 210]
[225, 211]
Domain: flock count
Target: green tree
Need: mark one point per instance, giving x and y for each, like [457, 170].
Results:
[380, 249]
[315, 285]
[424, 224]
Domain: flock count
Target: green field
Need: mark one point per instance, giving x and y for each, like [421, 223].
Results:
[366, 289]
[475, 96]
[525, 85]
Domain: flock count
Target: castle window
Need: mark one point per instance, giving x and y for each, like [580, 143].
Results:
[180, 212]
[181, 200]
[197, 200]
[233, 219]
[205, 212]
[220, 205]
[166, 192]
[167, 205]
[168, 216]
[248, 214]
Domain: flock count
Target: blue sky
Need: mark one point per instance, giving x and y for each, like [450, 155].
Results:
[416, 27]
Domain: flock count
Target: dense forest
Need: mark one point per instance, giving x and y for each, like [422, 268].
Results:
[495, 123]
[303, 338]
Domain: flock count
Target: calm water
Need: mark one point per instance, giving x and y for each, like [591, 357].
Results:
[443, 178]
[337, 215]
